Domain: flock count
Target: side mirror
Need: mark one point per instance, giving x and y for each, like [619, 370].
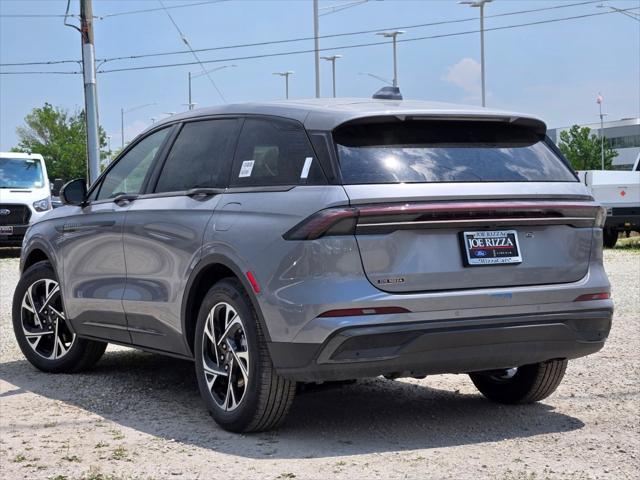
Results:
[74, 192]
[57, 185]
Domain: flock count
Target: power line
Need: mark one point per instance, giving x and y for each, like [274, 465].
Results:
[108, 15]
[334, 35]
[146, 10]
[186, 42]
[360, 45]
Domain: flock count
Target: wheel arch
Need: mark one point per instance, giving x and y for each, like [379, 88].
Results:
[210, 270]
[36, 253]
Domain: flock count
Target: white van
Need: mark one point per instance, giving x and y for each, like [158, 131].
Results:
[25, 194]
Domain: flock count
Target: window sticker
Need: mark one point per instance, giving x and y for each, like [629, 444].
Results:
[306, 167]
[246, 168]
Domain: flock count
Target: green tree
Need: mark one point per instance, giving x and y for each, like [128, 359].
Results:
[60, 137]
[582, 149]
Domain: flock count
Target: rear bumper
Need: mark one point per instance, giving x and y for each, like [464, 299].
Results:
[449, 346]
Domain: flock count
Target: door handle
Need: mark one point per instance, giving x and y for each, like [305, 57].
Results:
[203, 192]
[124, 198]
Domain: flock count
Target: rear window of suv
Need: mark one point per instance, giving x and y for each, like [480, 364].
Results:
[446, 151]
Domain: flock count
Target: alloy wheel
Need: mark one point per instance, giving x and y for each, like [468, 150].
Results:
[225, 356]
[43, 320]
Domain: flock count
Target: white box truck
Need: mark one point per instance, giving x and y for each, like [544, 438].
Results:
[619, 192]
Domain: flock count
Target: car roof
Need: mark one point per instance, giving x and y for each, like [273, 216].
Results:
[328, 113]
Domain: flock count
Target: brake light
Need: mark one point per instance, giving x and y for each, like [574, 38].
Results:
[593, 296]
[352, 312]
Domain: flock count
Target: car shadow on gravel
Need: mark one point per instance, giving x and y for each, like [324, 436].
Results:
[159, 396]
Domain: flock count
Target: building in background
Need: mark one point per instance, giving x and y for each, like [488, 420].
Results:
[623, 136]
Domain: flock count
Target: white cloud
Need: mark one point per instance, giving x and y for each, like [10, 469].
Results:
[466, 75]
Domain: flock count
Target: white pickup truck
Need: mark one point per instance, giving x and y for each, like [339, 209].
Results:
[619, 192]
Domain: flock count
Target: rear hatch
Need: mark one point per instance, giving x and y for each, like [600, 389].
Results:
[463, 204]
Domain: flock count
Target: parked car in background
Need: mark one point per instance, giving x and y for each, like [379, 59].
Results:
[25, 194]
[619, 192]
[324, 240]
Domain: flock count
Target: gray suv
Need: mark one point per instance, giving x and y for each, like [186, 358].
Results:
[283, 243]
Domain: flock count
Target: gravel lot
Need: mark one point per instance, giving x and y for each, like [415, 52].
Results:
[138, 415]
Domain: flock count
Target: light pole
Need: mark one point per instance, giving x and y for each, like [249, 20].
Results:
[393, 34]
[480, 4]
[316, 46]
[332, 59]
[377, 77]
[600, 101]
[199, 74]
[286, 81]
[128, 110]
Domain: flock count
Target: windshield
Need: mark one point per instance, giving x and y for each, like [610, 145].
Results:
[446, 151]
[20, 173]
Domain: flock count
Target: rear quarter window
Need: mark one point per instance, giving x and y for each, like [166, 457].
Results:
[446, 151]
[274, 152]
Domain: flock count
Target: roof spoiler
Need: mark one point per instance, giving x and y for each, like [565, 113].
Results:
[388, 93]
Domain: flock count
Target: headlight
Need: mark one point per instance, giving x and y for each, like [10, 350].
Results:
[42, 205]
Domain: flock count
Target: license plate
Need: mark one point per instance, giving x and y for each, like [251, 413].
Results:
[491, 247]
[6, 230]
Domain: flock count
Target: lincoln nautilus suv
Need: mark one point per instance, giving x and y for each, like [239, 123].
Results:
[277, 244]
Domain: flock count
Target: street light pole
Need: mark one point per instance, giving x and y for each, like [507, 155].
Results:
[190, 102]
[332, 59]
[286, 81]
[480, 4]
[316, 46]
[393, 35]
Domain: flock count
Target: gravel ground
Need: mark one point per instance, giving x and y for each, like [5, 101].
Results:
[138, 415]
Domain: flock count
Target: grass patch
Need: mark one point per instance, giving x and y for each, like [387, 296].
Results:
[631, 243]
[120, 453]
[19, 458]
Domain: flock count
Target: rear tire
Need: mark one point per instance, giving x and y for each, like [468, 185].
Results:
[529, 383]
[41, 328]
[236, 377]
[609, 238]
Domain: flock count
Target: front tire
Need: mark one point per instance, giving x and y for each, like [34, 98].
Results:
[41, 327]
[235, 374]
[526, 384]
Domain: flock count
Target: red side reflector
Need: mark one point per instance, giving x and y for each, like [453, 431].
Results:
[593, 296]
[352, 312]
[253, 282]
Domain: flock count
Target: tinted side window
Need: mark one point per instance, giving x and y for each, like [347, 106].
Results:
[127, 176]
[274, 152]
[200, 157]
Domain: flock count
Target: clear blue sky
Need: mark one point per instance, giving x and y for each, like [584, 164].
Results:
[554, 70]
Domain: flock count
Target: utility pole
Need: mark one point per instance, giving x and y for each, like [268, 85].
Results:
[332, 59]
[316, 43]
[90, 94]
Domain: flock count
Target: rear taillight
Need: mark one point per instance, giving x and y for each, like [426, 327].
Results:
[332, 221]
[383, 218]
[353, 312]
[593, 296]
[601, 216]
